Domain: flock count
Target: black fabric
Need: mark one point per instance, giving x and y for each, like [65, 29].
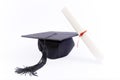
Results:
[31, 70]
[58, 49]
[52, 35]
[53, 45]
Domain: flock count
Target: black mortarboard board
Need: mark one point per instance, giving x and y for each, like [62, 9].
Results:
[53, 45]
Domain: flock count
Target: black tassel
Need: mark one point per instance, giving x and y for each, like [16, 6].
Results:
[31, 70]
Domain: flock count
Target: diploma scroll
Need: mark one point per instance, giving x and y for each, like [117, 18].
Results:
[86, 39]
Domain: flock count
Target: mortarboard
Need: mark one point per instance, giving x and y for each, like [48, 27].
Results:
[53, 45]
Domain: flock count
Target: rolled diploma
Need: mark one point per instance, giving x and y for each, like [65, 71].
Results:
[86, 39]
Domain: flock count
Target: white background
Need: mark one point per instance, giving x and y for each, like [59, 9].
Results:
[101, 18]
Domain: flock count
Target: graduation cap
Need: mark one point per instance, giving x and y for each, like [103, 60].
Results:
[53, 45]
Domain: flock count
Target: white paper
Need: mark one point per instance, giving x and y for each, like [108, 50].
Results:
[86, 39]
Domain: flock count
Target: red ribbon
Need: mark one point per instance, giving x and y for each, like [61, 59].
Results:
[80, 35]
